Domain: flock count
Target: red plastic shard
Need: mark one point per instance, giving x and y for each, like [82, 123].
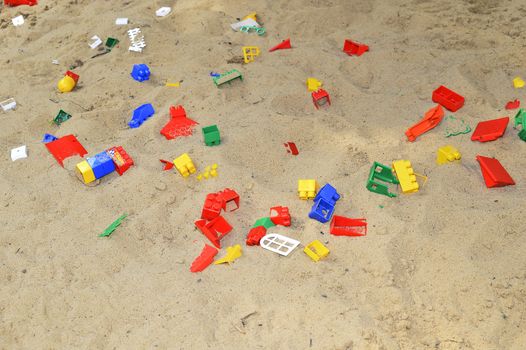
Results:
[291, 148]
[215, 229]
[179, 124]
[342, 226]
[320, 98]
[353, 48]
[121, 159]
[431, 119]
[230, 199]
[65, 147]
[448, 98]
[14, 3]
[73, 76]
[255, 235]
[513, 104]
[212, 207]
[490, 130]
[285, 44]
[494, 173]
[167, 164]
[280, 215]
[204, 259]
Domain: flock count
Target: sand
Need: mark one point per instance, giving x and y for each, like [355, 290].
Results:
[443, 268]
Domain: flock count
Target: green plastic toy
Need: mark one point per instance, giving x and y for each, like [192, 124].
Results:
[111, 42]
[61, 117]
[227, 77]
[520, 118]
[380, 172]
[211, 135]
[259, 30]
[265, 222]
[456, 126]
[108, 231]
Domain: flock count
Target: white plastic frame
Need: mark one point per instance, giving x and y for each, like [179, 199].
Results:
[279, 244]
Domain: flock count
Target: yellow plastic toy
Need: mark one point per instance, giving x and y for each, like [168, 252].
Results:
[316, 250]
[251, 16]
[406, 176]
[447, 154]
[66, 84]
[249, 52]
[232, 254]
[209, 171]
[313, 84]
[518, 83]
[307, 189]
[86, 173]
[184, 165]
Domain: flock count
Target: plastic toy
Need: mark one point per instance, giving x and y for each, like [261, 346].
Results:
[494, 173]
[120, 158]
[14, 3]
[280, 215]
[179, 124]
[104, 163]
[431, 119]
[448, 98]
[111, 43]
[8, 104]
[406, 176]
[95, 42]
[307, 189]
[211, 135]
[285, 44]
[19, 153]
[232, 253]
[61, 117]
[249, 53]
[380, 172]
[230, 199]
[215, 229]
[258, 30]
[522, 134]
[136, 39]
[140, 72]
[520, 119]
[324, 204]
[109, 230]
[85, 172]
[342, 226]
[252, 16]
[18, 21]
[321, 98]
[101, 164]
[204, 259]
[167, 164]
[184, 165]
[140, 115]
[490, 130]
[447, 154]
[456, 126]
[316, 250]
[227, 77]
[518, 83]
[49, 138]
[121, 21]
[69, 82]
[279, 244]
[291, 148]
[255, 235]
[163, 11]
[313, 84]
[212, 207]
[65, 147]
[352, 48]
[513, 104]
[248, 21]
[210, 171]
[265, 222]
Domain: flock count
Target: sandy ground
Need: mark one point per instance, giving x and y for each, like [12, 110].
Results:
[444, 268]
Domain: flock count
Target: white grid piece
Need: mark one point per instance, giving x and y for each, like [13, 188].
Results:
[136, 40]
[279, 244]
[95, 42]
[19, 153]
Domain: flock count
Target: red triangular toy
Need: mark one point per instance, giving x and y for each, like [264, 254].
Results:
[285, 44]
[490, 130]
[494, 173]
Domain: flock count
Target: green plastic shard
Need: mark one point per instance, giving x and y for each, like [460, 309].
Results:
[520, 119]
[259, 30]
[111, 42]
[265, 222]
[456, 126]
[522, 134]
[227, 77]
[61, 117]
[108, 231]
[380, 172]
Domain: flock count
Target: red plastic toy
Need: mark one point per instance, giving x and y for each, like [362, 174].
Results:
[448, 98]
[14, 3]
[73, 76]
[513, 104]
[65, 147]
[490, 130]
[167, 164]
[291, 148]
[353, 48]
[255, 235]
[212, 207]
[342, 226]
[285, 44]
[121, 159]
[431, 119]
[204, 259]
[280, 216]
[494, 173]
[179, 124]
[230, 199]
[320, 98]
[215, 229]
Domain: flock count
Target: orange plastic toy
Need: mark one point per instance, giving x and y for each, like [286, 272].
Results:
[432, 118]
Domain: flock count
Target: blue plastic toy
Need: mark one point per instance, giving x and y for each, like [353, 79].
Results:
[49, 138]
[140, 72]
[140, 115]
[101, 164]
[324, 204]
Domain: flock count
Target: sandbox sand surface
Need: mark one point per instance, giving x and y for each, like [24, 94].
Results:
[444, 268]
